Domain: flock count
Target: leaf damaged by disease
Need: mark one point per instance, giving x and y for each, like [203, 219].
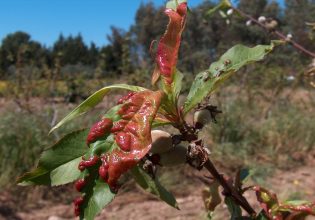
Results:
[168, 46]
[117, 143]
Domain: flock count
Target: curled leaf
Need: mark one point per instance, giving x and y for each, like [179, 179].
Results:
[132, 133]
[290, 210]
[117, 143]
[167, 50]
[211, 196]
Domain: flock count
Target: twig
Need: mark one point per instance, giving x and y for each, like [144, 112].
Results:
[277, 33]
[189, 133]
[229, 190]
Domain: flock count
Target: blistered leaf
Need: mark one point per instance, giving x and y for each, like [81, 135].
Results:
[117, 143]
[168, 46]
[62, 157]
[208, 81]
[268, 201]
[153, 186]
[92, 101]
[132, 133]
[305, 207]
[275, 209]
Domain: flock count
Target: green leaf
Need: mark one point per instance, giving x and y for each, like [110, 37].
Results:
[208, 81]
[153, 186]
[65, 173]
[296, 202]
[98, 195]
[62, 157]
[169, 102]
[244, 174]
[235, 210]
[223, 5]
[174, 3]
[92, 101]
[261, 216]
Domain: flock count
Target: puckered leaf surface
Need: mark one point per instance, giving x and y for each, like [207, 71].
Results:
[117, 143]
[274, 209]
[167, 50]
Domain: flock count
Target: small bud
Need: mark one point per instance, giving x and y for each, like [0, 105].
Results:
[249, 23]
[262, 19]
[271, 25]
[290, 78]
[202, 117]
[230, 11]
[161, 142]
[175, 156]
[289, 36]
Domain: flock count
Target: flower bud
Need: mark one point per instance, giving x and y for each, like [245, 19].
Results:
[289, 36]
[202, 117]
[175, 156]
[262, 19]
[249, 23]
[271, 25]
[230, 11]
[161, 142]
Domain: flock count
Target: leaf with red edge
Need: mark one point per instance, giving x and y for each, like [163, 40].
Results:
[274, 209]
[132, 133]
[268, 201]
[117, 143]
[167, 50]
[303, 207]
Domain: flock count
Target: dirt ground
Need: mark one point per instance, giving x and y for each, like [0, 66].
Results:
[141, 206]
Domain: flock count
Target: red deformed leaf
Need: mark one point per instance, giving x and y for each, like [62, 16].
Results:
[167, 50]
[130, 129]
[282, 211]
[268, 201]
[132, 133]
[117, 143]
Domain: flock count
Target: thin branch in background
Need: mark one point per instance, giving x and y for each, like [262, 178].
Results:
[276, 32]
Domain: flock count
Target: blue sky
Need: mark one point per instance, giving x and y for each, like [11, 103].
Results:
[46, 19]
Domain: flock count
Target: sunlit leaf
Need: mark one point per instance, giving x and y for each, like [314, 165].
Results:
[117, 143]
[153, 186]
[97, 195]
[168, 46]
[223, 5]
[61, 157]
[169, 103]
[92, 101]
[209, 80]
[173, 4]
